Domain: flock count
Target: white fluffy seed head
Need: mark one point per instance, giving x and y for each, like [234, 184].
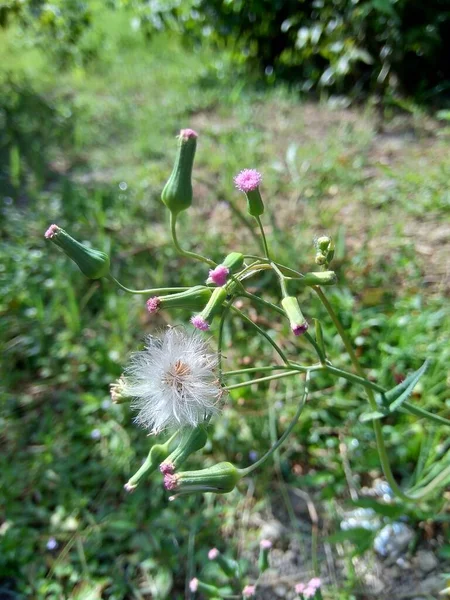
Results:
[172, 381]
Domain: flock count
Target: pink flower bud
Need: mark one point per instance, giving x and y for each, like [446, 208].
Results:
[265, 544]
[193, 584]
[153, 304]
[300, 588]
[300, 329]
[218, 275]
[315, 582]
[200, 323]
[170, 481]
[213, 554]
[167, 468]
[249, 591]
[186, 134]
[51, 232]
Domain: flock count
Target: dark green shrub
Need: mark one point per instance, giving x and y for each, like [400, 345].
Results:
[344, 46]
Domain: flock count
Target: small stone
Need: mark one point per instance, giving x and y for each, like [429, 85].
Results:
[280, 591]
[273, 530]
[392, 540]
[431, 585]
[426, 561]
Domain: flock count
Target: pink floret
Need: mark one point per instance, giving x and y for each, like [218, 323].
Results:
[300, 588]
[167, 468]
[170, 481]
[265, 544]
[248, 180]
[51, 232]
[309, 592]
[249, 591]
[218, 275]
[186, 134]
[193, 584]
[153, 304]
[300, 329]
[315, 582]
[199, 322]
[213, 554]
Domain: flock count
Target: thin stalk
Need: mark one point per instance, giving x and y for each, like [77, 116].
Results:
[285, 435]
[263, 236]
[234, 386]
[154, 291]
[421, 412]
[382, 452]
[263, 333]
[296, 274]
[255, 370]
[194, 255]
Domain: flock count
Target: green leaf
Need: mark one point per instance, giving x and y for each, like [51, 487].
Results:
[372, 416]
[403, 390]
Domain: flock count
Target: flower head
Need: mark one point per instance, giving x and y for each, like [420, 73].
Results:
[315, 582]
[248, 180]
[51, 232]
[213, 554]
[218, 275]
[172, 381]
[200, 323]
[153, 304]
[249, 591]
[193, 584]
[52, 544]
[185, 134]
[265, 544]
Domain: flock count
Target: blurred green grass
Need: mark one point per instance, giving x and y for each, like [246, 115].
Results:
[90, 148]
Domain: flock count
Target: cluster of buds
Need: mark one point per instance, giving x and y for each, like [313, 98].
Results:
[179, 389]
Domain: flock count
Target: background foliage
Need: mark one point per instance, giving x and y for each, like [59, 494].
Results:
[90, 147]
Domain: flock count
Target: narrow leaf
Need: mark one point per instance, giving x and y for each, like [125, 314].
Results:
[403, 390]
[372, 416]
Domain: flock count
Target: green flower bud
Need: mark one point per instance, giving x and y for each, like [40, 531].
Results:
[323, 243]
[319, 278]
[325, 250]
[92, 263]
[192, 439]
[233, 261]
[263, 560]
[177, 193]
[219, 479]
[194, 299]
[295, 316]
[157, 454]
[210, 591]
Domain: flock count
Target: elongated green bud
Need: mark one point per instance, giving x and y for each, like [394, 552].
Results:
[192, 439]
[92, 263]
[177, 193]
[228, 565]
[210, 591]
[157, 454]
[263, 560]
[214, 306]
[319, 278]
[295, 316]
[194, 298]
[219, 479]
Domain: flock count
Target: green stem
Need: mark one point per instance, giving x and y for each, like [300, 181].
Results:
[296, 274]
[263, 236]
[154, 291]
[384, 458]
[285, 435]
[194, 255]
[262, 333]
[255, 370]
[261, 379]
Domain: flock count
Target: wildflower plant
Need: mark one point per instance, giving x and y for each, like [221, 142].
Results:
[178, 383]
